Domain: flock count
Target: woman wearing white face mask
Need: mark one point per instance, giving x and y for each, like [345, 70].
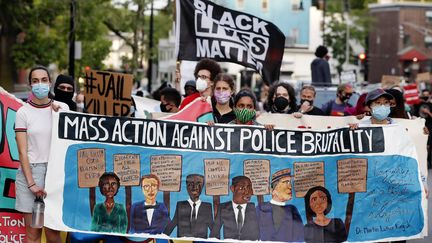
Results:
[33, 136]
[222, 99]
[205, 73]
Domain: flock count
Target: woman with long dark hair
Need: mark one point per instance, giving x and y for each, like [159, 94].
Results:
[281, 99]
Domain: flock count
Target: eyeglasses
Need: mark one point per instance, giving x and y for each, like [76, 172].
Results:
[202, 76]
[147, 187]
[65, 88]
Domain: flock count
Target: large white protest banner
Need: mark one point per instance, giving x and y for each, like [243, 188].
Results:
[370, 175]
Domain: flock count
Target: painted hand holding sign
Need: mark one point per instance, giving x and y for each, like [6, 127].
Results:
[307, 180]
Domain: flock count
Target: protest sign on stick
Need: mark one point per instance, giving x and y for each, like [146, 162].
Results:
[108, 93]
[168, 169]
[216, 174]
[258, 172]
[352, 178]
[307, 175]
[127, 168]
[91, 165]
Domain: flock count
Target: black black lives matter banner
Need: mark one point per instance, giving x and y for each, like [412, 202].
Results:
[207, 30]
[244, 139]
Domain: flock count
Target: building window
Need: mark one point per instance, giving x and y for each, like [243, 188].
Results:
[428, 41]
[264, 5]
[240, 4]
[407, 40]
[429, 16]
[297, 5]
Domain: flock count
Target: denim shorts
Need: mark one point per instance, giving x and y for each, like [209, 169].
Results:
[24, 197]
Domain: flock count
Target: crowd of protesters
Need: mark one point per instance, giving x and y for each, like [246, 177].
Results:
[230, 106]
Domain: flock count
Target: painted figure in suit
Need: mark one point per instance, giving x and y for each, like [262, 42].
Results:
[193, 218]
[148, 216]
[237, 217]
[279, 221]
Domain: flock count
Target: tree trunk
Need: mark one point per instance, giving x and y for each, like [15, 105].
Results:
[8, 74]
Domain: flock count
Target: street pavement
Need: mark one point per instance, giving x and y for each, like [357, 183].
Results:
[427, 239]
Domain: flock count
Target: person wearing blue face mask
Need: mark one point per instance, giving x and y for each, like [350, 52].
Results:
[380, 104]
[33, 126]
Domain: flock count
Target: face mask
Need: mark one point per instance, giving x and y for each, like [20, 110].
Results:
[40, 90]
[201, 85]
[164, 108]
[344, 98]
[222, 97]
[63, 96]
[244, 115]
[380, 112]
[80, 105]
[303, 101]
[281, 103]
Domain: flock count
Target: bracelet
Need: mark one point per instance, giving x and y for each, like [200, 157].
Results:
[31, 185]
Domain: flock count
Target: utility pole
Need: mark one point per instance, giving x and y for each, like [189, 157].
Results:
[72, 40]
[150, 62]
[324, 23]
[347, 48]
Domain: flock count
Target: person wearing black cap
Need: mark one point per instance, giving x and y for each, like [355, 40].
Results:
[279, 221]
[190, 88]
[64, 91]
[320, 67]
[379, 103]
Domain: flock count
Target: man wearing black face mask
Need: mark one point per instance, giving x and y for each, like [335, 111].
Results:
[170, 100]
[64, 91]
[338, 106]
[307, 96]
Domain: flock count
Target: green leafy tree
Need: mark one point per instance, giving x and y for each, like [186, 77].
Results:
[37, 32]
[130, 21]
[335, 33]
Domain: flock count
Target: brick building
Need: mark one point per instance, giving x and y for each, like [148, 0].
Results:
[400, 41]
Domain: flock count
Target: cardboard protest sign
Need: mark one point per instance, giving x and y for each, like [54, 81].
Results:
[168, 168]
[389, 81]
[127, 167]
[108, 93]
[259, 173]
[352, 175]
[216, 176]
[308, 175]
[235, 157]
[91, 165]
[423, 77]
